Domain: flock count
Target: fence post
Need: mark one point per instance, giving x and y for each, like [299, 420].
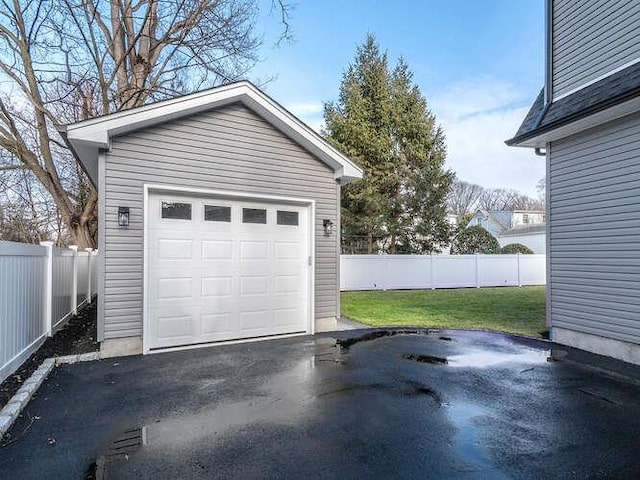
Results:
[48, 288]
[89, 265]
[74, 276]
[477, 274]
[519, 280]
[433, 267]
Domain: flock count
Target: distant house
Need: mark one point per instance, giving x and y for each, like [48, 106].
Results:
[519, 226]
[586, 121]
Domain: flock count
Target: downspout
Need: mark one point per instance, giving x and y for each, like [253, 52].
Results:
[548, 98]
[548, 80]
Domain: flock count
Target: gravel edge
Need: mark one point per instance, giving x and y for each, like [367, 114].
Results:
[13, 408]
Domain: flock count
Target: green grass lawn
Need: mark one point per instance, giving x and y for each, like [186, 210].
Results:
[505, 309]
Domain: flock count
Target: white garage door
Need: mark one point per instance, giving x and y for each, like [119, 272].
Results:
[225, 269]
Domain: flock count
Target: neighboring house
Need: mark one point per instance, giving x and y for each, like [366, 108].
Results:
[534, 237]
[217, 220]
[587, 121]
[518, 226]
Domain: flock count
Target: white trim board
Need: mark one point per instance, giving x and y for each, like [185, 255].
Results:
[234, 195]
[88, 137]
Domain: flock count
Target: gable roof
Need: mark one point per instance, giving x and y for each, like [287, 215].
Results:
[605, 100]
[88, 137]
[500, 218]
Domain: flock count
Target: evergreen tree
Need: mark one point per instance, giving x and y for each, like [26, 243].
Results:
[381, 121]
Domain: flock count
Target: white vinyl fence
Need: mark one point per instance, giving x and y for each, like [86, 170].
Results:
[388, 272]
[41, 287]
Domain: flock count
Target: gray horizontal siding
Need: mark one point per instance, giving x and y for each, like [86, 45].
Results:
[591, 38]
[227, 149]
[594, 225]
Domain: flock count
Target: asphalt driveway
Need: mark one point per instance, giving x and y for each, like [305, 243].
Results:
[443, 404]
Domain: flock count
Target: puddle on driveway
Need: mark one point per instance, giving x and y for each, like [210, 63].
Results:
[345, 343]
[486, 358]
[466, 441]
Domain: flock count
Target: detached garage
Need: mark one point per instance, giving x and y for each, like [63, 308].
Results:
[218, 221]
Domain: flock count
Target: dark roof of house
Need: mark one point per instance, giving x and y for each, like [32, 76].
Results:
[612, 90]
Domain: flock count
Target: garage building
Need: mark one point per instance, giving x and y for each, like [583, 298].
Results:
[218, 221]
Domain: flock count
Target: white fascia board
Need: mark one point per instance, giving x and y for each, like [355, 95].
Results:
[89, 136]
[618, 111]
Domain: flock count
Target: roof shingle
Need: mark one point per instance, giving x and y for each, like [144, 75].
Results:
[612, 90]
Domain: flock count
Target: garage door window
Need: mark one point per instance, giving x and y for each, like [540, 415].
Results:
[287, 218]
[176, 210]
[214, 213]
[254, 215]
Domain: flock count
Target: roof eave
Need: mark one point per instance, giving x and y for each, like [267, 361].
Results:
[614, 108]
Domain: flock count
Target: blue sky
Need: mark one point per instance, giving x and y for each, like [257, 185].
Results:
[479, 63]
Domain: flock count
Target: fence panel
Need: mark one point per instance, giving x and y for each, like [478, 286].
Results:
[498, 271]
[22, 303]
[374, 272]
[40, 288]
[94, 272]
[62, 286]
[533, 269]
[454, 271]
[83, 277]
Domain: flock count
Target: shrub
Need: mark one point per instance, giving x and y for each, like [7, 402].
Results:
[516, 248]
[474, 240]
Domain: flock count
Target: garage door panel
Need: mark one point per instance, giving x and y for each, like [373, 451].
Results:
[174, 248]
[285, 317]
[216, 286]
[254, 250]
[175, 288]
[216, 324]
[254, 321]
[176, 326]
[288, 250]
[217, 250]
[254, 285]
[288, 284]
[222, 280]
[287, 301]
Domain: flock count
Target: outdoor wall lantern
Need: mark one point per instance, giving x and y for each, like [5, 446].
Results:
[123, 216]
[329, 226]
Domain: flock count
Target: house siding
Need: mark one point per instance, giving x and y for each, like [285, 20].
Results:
[592, 38]
[594, 227]
[230, 148]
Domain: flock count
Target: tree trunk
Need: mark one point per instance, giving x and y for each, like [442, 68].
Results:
[82, 235]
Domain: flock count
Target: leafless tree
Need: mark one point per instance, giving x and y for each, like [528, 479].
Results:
[541, 188]
[507, 199]
[69, 60]
[26, 212]
[463, 197]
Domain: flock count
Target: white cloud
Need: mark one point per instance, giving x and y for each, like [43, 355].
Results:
[311, 113]
[309, 108]
[477, 117]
